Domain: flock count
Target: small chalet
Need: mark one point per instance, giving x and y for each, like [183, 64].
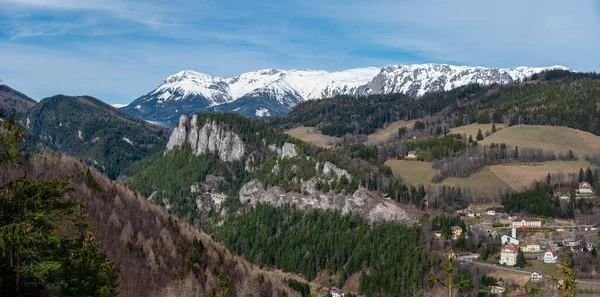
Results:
[498, 288]
[536, 277]
[412, 155]
[585, 188]
[508, 255]
[335, 292]
[550, 257]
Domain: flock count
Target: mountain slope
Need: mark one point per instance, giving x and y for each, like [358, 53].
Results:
[275, 92]
[156, 254]
[253, 163]
[559, 98]
[13, 99]
[88, 128]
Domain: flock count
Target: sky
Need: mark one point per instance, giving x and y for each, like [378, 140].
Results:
[118, 50]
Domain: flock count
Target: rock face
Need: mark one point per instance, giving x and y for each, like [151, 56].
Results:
[210, 137]
[288, 150]
[365, 203]
[329, 167]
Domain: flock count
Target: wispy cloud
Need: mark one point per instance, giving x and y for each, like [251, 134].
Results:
[120, 49]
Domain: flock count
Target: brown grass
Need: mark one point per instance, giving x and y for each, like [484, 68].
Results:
[384, 135]
[314, 136]
[520, 176]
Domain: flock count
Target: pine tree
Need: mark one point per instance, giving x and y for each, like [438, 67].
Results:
[494, 128]
[521, 261]
[479, 135]
[566, 283]
[449, 267]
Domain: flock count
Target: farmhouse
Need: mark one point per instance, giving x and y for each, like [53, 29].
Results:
[536, 277]
[585, 188]
[508, 240]
[412, 155]
[508, 255]
[527, 224]
[550, 257]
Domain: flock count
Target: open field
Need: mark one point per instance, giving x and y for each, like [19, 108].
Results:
[383, 135]
[542, 268]
[473, 128]
[519, 176]
[559, 139]
[415, 172]
[482, 180]
[314, 136]
[490, 178]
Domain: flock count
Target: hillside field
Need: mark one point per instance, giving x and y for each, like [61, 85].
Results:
[384, 135]
[559, 139]
[314, 136]
[473, 128]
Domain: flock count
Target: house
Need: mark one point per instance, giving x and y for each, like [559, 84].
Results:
[536, 277]
[577, 249]
[412, 155]
[571, 242]
[550, 257]
[585, 188]
[325, 290]
[590, 246]
[438, 234]
[218, 198]
[498, 288]
[491, 212]
[456, 231]
[508, 255]
[335, 292]
[527, 224]
[509, 240]
[531, 247]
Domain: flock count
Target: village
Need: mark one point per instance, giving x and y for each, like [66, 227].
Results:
[532, 248]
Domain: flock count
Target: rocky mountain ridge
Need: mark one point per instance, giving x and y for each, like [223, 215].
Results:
[273, 92]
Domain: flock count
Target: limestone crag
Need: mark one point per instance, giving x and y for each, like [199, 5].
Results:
[363, 202]
[210, 137]
[329, 167]
[288, 150]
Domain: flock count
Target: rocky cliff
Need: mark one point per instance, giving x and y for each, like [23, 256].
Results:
[368, 204]
[207, 137]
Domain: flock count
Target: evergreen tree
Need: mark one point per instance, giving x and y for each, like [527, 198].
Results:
[494, 128]
[521, 261]
[450, 284]
[479, 135]
[566, 283]
[581, 175]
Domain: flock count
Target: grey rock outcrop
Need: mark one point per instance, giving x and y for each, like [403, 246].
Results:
[329, 167]
[288, 150]
[211, 137]
[369, 205]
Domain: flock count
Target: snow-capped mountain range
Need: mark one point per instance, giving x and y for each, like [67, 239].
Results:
[274, 92]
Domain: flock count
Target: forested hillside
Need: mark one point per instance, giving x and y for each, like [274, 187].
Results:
[172, 178]
[150, 252]
[87, 128]
[12, 99]
[551, 98]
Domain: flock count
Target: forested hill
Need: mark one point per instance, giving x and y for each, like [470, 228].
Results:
[12, 99]
[88, 128]
[153, 252]
[550, 98]
[226, 152]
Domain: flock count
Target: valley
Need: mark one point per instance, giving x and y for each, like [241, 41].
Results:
[345, 194]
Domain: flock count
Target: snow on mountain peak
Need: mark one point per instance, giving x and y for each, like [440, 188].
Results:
[285, 88]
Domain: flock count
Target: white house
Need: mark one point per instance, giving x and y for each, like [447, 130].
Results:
[218, 198]
[536, 277]
[491, 212]
[527, 224]
[412, 155]
[509, 240]
[335, 292]
[508, 255]
[550, 257]
[585, 188]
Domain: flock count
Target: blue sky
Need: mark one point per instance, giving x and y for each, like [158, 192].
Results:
[118, 50]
